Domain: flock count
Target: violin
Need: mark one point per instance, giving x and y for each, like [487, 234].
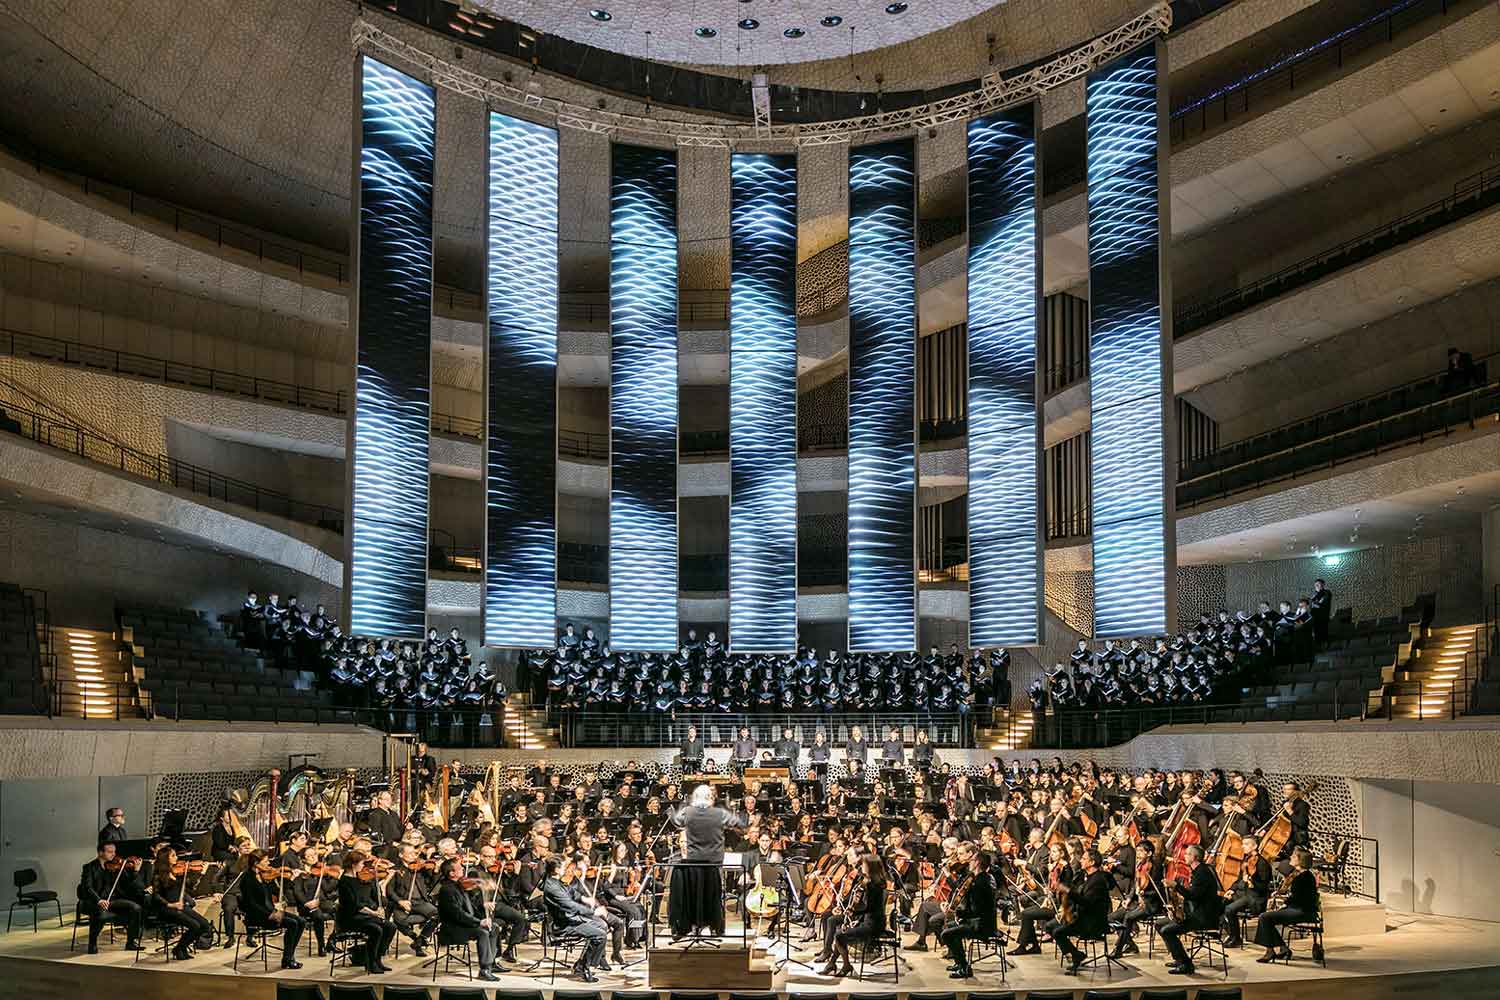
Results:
[375, 869]
[115, 864]
[267, 873]
[468, 884]
[325, 871]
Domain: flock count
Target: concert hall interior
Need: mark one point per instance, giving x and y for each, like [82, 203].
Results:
[744, 499]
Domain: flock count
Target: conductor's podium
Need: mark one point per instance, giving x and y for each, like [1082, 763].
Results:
[733, 965]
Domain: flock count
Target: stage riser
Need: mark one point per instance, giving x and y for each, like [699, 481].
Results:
[35, 979]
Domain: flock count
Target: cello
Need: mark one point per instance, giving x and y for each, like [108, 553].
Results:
[1228, 853]
[1277, 831]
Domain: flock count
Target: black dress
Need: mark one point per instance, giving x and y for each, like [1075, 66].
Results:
[869, 914]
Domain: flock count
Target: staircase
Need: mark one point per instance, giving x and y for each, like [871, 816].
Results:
[92, 683]
[1428, 682]
[1011, 731]
[525, 725]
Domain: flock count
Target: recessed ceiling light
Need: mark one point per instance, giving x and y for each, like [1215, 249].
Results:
[749, 24]
[831, 21]
[895, 8]
[706, 32]
[794, 33]
[600, 14]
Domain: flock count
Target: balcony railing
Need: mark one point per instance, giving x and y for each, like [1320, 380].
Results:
[594, 728]
[1277, 78]
[1470, 195]
[54, 350]
[1415, 426]
[164, 469]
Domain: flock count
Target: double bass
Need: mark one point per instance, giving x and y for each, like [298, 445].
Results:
[1182, 833]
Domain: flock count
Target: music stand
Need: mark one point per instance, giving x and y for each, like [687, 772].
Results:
[788, 890]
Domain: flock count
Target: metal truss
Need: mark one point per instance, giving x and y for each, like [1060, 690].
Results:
[992, 94]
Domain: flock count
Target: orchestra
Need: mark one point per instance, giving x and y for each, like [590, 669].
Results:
[1009, 855]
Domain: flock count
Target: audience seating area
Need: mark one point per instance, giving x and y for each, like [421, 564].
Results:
[187, 668]
[1337, 681]
[20, 651]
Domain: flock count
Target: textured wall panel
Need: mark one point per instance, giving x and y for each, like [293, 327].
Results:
[520, 570]
[1129, 348]
[882, 403]
[643, 399]
[387, 565]
[1005, 540]
[763, 403]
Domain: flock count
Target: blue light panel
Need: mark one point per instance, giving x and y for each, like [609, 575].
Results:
[520, 570]
[1005, 541]
[882, 405]
[763, 403]
[643, 399]
[1129, 350]
[386, 569]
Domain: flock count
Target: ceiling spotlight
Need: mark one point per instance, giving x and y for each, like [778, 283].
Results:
[706, 32]
[793, 33]
[831, 21]
[749, 24]
[600, 14]
[895, 8]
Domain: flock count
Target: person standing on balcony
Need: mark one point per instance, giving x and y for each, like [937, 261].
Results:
[1322, 606]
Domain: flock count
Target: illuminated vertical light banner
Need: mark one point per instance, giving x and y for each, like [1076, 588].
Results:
[882, 397]
[643, 399]
[1005, 426]
[385, 575]
[763, 403]
[1130, 346]
[520, 542]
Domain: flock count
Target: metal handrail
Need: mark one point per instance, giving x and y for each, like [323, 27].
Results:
[1281, 75]
[1473, 191]
[55, 350]
[1479, 372]
[1390, 432]
[583, 444]
[597, 728]
[88, 445]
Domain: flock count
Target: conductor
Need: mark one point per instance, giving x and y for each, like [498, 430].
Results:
[696, 900]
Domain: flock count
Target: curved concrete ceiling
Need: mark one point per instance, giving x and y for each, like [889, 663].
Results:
[739, 32]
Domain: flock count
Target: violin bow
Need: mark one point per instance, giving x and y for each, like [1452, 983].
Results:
[110, 898]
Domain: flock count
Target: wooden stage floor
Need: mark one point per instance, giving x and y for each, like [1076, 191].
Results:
[1438, 956]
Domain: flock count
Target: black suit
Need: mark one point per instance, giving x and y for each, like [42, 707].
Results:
[385, 825]
[1250, 893]
[96, 884]
[1090, 912]
[1204, 908]
[414, 919]
[460, 923]
[569, 914]
[975, 918]
[304, 892]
